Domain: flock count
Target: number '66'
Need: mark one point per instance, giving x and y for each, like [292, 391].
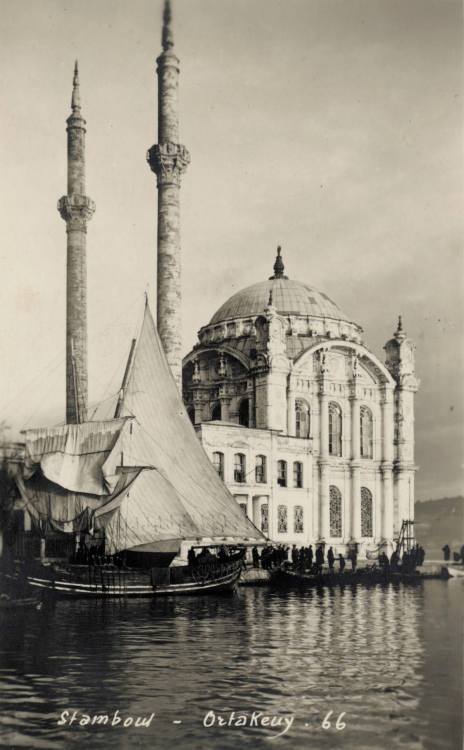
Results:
[339, 723]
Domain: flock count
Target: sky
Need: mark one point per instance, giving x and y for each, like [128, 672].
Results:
[330, 127]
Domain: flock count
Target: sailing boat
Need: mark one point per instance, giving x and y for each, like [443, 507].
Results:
[118, 497]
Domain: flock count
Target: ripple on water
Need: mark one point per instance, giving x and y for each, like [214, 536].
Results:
[369, 653]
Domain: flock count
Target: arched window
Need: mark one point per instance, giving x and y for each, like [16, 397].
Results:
[265, 518]
[298, 519]
[335, 512]
[282, 473]
[302, 419]
[216, 411]
[244, 413]
[243, 507]
[282, 524]
[260, 469]
[366, 432]
[366, 512]
[298, 474]
[239, 467]
[218, 463]
[335, 430]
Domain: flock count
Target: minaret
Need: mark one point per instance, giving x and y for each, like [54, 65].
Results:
[76, 209]
[168, 159]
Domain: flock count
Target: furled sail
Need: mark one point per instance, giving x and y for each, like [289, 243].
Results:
[71, 470]
[78, 457]
[182, 496]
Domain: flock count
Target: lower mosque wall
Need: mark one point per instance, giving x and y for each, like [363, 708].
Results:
[293, 515]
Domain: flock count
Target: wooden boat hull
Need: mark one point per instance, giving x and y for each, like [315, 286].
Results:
[82, 581]
[7, 604]
[455, 572]
[294, 578]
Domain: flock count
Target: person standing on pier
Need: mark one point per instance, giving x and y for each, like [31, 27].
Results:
[446, 552]
[319, 559]
[310, 556]
[353, 556]
[255, 556]
[295, 556]
[341, 562]
[394, 559]
[331, 559]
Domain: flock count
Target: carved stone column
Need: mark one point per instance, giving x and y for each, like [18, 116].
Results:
[355, 500]
[386, 405]
[291, 417]
[225, 400]
[169, 160]
[324, 501]
[76, 209]
[355, 456]
[387, 501]
[324, 510]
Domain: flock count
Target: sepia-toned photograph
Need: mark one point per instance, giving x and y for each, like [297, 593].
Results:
[231, 382]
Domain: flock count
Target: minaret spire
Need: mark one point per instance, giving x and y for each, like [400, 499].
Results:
[167, 37]
[76, 98]
[76, 209]
[168, 159]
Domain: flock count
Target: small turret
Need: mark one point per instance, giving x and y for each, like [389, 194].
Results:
[399, 357]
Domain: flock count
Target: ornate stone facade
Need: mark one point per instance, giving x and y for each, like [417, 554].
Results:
[76, 209]
[312, 433]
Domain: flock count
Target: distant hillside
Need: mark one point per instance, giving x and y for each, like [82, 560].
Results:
[440, 522]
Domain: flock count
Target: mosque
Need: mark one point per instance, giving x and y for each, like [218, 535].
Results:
[310, 431]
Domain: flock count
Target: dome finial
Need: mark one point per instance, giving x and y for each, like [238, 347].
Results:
[399, 333]
[279, 267]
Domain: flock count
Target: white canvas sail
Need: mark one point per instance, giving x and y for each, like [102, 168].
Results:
[71, 470]
[78, 457]
[182, 497]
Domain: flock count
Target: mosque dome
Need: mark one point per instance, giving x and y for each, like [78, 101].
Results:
[289, 297]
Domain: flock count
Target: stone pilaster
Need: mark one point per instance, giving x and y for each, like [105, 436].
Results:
[324, 506]
[76, 209]
[355, 500]
[355, 456]
[387, 501]
[291, 417]
[386, 406]
[168, 159]
[324, 501]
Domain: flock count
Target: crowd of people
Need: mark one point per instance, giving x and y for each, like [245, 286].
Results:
[309, 560]
[272, 556]
[458, 556]
[206, 556]
[410, 560]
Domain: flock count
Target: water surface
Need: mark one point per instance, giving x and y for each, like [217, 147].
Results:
[388, 658]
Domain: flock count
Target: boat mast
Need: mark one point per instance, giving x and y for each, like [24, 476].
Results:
[117, 413]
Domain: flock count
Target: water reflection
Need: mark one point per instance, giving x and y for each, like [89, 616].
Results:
[380, 655]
